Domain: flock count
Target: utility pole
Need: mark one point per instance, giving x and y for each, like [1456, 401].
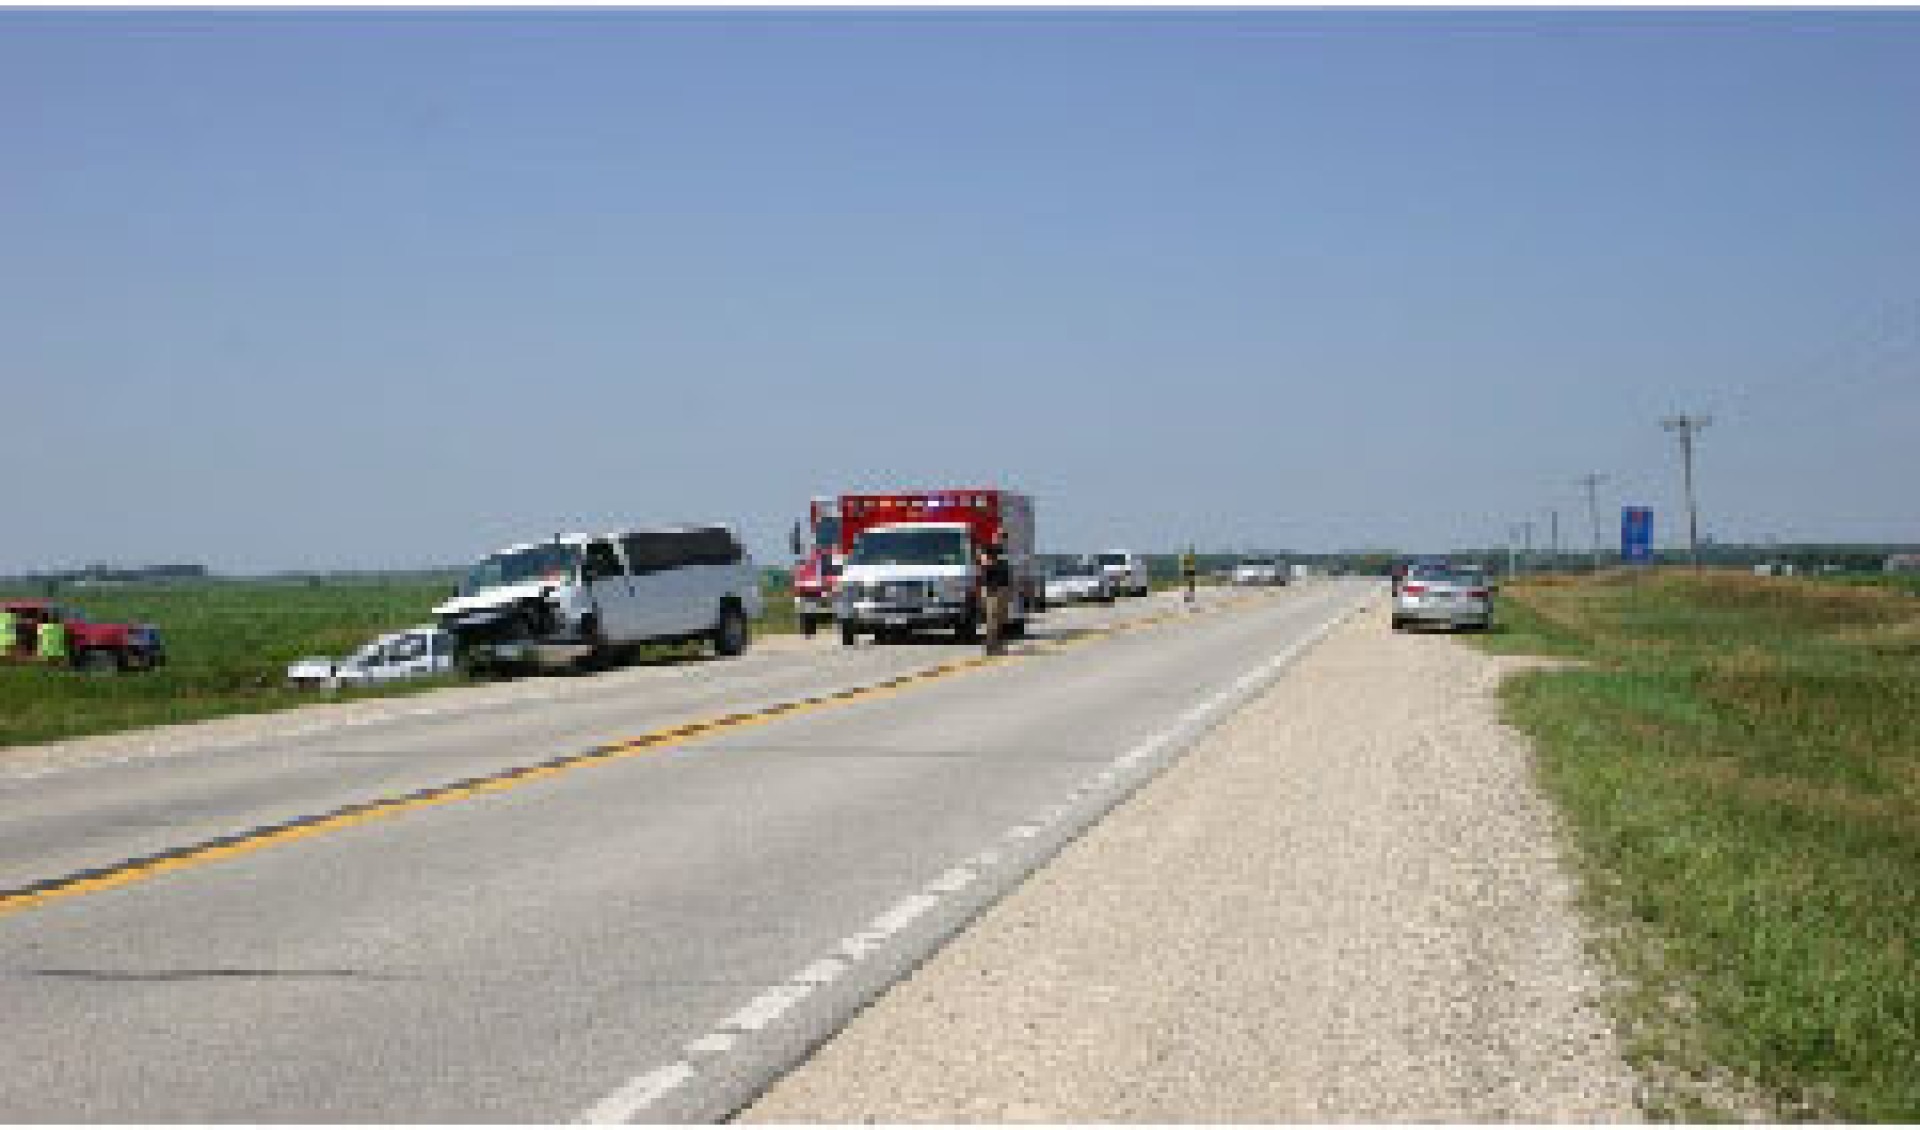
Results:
[1553, 561]
[1513, 535]
[1592, 482]
[1686, 426]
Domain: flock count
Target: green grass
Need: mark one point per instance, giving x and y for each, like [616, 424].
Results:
[228, 646]
[1739, 758]
[1901, 582]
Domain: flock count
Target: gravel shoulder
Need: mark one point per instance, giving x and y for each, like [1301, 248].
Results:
[1347, 903]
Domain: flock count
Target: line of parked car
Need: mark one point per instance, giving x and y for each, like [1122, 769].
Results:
[879, 565]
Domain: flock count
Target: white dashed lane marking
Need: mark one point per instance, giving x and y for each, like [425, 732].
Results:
[1099, 792]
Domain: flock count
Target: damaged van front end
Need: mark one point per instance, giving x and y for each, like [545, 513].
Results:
[522, 608]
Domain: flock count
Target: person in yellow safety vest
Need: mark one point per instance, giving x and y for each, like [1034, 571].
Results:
[53, 641]
[1189, 572]
[8, 630]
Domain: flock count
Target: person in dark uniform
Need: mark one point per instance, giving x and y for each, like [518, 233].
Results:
[996, 585]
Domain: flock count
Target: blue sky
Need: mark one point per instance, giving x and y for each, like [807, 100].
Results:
[324, 289]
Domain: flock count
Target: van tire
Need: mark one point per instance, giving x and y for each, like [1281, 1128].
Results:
[731, 634]
[599, 656]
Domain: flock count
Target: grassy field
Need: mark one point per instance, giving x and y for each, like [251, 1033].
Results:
[228, 647]
[1739, 759]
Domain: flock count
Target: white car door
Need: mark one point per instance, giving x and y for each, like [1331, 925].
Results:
[410, 656]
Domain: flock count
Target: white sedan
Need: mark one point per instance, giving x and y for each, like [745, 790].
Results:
[1072, 584]
[412, 654]
[1452, 598]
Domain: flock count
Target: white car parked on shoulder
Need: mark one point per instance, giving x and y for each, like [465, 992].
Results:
[413, 654]
[1127, 571]
[583, 599]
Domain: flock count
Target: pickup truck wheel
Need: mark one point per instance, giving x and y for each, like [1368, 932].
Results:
[969, 629]
[808, 625]
[730, 635]
[848, 637]
[99, 661]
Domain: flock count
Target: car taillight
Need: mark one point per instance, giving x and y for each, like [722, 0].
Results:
[1413, 590]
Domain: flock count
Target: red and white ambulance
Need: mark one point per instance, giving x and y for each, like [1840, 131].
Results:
[911, 561]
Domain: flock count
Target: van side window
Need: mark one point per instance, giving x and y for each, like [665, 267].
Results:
[601, 563]
[647, 553]
[713, 547]
[680, 549]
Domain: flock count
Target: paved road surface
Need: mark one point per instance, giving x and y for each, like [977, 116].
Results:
[1345, 905]
[651, 930]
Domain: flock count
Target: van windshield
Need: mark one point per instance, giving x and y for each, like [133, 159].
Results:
[552, 561]
[910, 547]
[826, 532]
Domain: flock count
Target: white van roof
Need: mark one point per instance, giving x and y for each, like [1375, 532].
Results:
[582, 539]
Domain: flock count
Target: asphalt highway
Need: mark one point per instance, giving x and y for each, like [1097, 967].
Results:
[640, 900]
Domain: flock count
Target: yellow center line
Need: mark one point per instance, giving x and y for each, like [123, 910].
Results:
[130, 871]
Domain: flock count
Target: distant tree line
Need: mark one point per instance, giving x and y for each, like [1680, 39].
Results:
[115, 574]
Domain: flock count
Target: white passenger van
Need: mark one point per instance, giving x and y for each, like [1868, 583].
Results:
[583, 599]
